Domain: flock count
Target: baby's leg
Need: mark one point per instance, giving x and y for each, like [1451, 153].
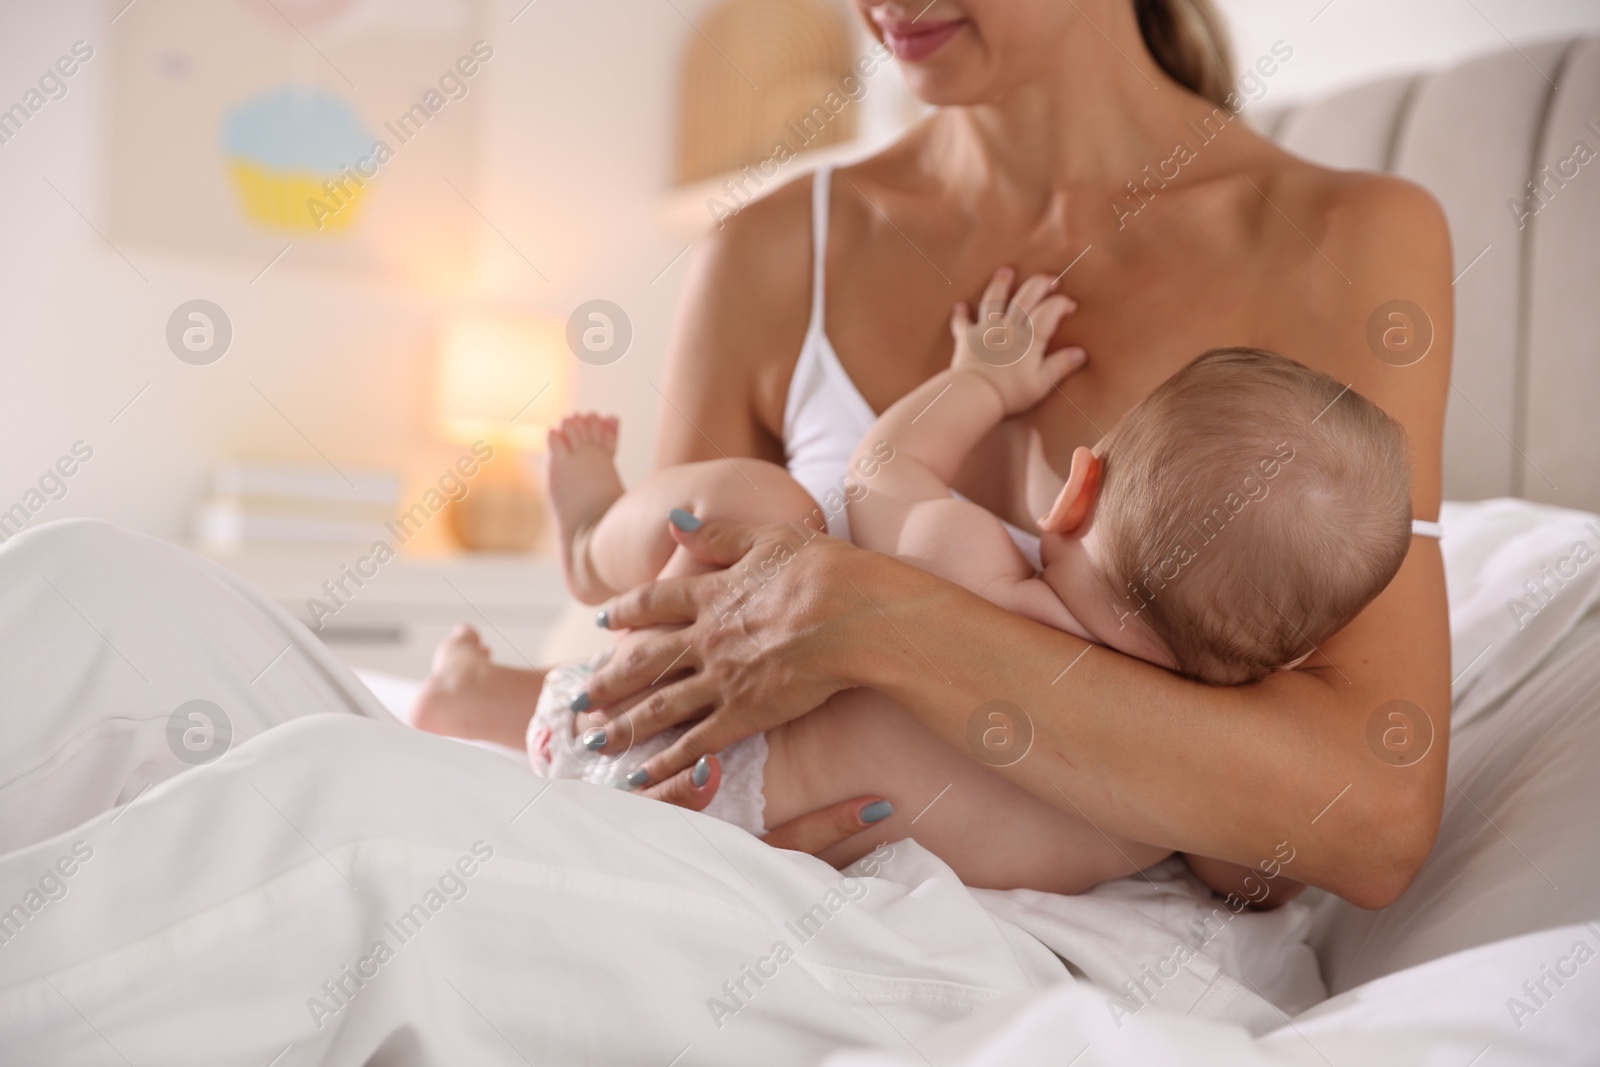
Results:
[993, 834]
[612, 540]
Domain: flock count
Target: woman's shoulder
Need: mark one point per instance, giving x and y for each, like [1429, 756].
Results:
[749, 292]
[1363, 216]
[747, 306]
[1341, 243]
[1352, 246]
[763, 249]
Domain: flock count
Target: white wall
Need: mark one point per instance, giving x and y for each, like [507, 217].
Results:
[578, 124]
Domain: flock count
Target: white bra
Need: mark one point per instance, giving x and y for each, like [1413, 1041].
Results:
[825, 416]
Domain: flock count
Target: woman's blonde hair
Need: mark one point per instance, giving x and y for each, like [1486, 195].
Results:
[1190, 41]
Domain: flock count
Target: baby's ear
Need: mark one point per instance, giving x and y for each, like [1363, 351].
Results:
[1077, 496]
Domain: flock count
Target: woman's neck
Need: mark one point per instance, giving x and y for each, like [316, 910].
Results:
[1096, 117]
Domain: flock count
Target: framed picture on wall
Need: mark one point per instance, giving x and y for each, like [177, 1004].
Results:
[344, 129]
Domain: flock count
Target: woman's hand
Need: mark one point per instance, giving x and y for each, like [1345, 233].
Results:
[813, 832]
[762, 642]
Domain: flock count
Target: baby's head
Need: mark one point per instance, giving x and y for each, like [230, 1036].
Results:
[1246, 511]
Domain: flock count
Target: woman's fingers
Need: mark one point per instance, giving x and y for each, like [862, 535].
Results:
[823, 829]
[675, 601]
[712, 734]
[638, 666]
[599, 715]
[813, 832]
[670, 602]
[692, 788]
[715, 541]
[668, 706]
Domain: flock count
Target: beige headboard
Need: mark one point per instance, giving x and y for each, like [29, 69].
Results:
[1524, 417]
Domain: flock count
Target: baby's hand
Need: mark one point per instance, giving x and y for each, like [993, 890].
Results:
[1006, 344]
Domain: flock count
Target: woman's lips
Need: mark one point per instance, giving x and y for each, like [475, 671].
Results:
[912, 42]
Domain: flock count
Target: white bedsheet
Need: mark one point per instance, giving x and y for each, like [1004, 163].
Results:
[1181, 948]
[213, 906]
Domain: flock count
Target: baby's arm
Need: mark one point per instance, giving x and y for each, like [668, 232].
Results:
[908, 511]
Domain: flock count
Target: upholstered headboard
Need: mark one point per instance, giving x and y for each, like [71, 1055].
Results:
[1524, 416]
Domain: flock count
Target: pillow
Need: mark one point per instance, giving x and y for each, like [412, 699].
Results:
[1517, 850]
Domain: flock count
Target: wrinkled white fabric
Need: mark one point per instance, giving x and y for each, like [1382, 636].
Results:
[337, 889]
[1448, 1013]
[106, 633]
[1520, 576]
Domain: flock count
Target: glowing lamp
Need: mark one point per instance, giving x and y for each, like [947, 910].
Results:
[502, 380]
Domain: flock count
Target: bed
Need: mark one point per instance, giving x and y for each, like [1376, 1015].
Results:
[340, 890]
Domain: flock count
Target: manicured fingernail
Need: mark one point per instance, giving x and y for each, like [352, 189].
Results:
[637, 778]
[594, 740]
[683, 520]
[602, 620]
[877, 811]
[580, 701]
[702, 771]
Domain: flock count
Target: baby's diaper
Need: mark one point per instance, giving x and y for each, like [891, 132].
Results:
[556, 751]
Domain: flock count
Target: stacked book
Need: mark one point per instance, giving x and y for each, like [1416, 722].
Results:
[263, 504]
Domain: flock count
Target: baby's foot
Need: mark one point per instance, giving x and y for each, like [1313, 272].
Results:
[583, 483]
[469, 696]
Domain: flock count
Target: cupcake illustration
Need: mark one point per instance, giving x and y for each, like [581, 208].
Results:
[287, 152]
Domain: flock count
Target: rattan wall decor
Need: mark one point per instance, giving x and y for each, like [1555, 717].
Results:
[760, 74]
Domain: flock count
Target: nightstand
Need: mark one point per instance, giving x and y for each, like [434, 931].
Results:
[395, 620]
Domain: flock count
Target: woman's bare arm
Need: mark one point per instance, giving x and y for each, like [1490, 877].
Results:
[737, 335]
[1140, 752]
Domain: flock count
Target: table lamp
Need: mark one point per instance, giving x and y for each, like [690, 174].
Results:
[503, 380]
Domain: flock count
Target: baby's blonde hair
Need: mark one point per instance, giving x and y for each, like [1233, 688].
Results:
[1250, 508]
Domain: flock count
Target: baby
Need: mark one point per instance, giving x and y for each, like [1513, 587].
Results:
[1240, 515]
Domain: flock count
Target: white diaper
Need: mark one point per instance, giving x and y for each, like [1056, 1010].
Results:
[556, 751]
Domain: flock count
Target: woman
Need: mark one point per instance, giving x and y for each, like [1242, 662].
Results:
[1094, 139]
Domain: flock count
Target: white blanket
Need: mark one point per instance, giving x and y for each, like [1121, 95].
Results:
[338, 889]
[1521, 576]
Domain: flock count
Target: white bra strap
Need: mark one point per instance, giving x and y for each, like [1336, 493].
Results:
[1424, 528]
[821, 179]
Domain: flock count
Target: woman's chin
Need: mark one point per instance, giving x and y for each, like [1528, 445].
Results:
[950, 76]
[945, 86]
